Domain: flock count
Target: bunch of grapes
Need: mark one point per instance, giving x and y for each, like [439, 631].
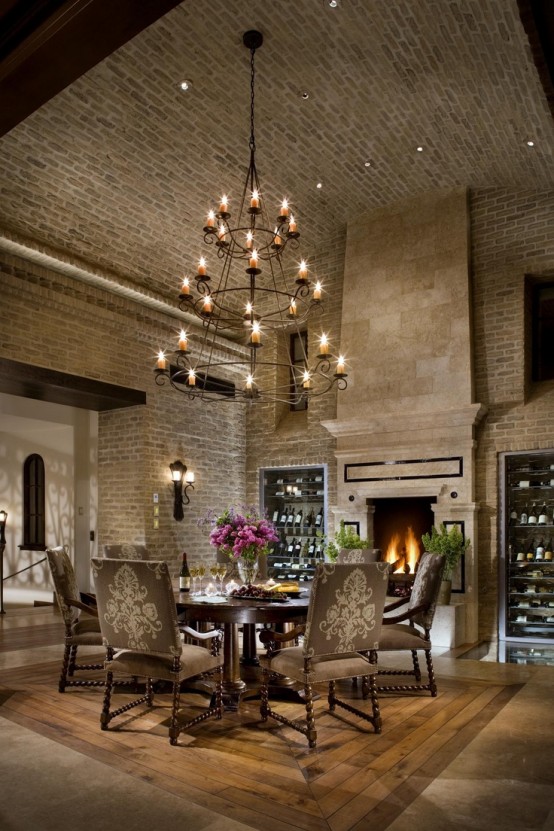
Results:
[257, 591]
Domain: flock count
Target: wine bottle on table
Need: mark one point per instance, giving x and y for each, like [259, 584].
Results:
[184, 575]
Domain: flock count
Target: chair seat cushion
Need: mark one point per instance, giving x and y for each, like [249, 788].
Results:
[290, 662]
[194, 661]
[86, 632]
[402, 636]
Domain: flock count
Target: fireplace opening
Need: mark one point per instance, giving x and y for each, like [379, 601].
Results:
[398, 525]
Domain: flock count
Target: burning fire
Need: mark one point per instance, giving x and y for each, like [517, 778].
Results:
[403, 554]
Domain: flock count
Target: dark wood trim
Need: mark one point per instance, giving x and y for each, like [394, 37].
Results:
[43, 384]
[45, 45]
[537, 17]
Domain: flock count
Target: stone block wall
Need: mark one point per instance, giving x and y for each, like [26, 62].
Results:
[66, 325]
[512, 234]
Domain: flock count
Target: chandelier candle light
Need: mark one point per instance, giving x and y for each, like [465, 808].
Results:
[266, 303]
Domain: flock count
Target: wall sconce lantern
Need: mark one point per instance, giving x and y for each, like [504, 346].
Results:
[180, 474]
[3, 518]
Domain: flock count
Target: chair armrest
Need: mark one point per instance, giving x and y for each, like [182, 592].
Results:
[407, 615]
[201, 636]
[396, 604]
[90, 610]
[272, 639]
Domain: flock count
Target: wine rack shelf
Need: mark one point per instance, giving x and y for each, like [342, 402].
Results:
[526, 549]
[295, 500]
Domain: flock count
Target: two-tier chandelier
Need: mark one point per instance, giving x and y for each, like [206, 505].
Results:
[259, 311]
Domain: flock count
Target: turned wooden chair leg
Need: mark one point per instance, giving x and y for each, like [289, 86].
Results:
[311, 732]
[72, 660]
[431, 673]
[377, 723]
[174, 727]
[417, 670]
[264, 698]
[105, 714]
[331, 697]
[65, 664]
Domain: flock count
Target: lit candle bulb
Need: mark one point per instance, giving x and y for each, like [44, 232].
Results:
[292, 225]
[277, 240]
[249, 382]
[340, 365]
[208, 305]
[202, 267]
[284, 208]
[183, 343]
[249, 308]
[256, 335]
[255, 199]
[191, 380]
[254, 259]
[249, 240]
[317, 291]
[185, 288]
[292, 308]
[161, 363]
[210, 222]
[306, 380]
[303, 271]
[323, 345]
[223, 205]
[221, 232]
[189, 476]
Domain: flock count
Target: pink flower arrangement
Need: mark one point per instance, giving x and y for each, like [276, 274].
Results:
[245, 535]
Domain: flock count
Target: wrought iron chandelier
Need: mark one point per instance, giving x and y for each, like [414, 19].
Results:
[259, 311]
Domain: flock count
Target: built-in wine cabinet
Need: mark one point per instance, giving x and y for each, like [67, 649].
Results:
[526, 543]
[294, 498]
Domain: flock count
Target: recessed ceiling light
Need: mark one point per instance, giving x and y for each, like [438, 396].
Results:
[333, 3]
[419, 149]
[367, 163]
[186, 84]
[305, 94]
[319, 185]
[530, 144]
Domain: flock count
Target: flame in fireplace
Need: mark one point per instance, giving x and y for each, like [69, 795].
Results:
[403, 553]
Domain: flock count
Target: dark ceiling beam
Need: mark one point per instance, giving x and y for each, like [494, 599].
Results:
[61, 388]
[537, 17]
[47, 44]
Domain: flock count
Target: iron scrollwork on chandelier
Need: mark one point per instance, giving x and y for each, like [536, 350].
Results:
[266, 304]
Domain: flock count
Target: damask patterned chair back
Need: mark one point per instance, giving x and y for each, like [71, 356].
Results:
[359, 555]
[126, 551]
[426, 587]
[346, 608]
[136, 605]
[65, 584]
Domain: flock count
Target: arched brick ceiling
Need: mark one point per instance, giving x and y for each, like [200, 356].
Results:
[119, 169]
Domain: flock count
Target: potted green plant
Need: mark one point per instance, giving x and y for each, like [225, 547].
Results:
[345, 537]
[451, 545]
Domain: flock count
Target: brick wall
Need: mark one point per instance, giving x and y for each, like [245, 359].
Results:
[512, 235]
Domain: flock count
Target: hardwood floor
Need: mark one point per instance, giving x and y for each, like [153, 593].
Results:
[262, 775]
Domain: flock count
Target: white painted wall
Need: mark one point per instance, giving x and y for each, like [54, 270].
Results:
[66, 438]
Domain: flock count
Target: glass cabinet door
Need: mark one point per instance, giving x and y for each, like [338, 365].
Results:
[526, 546]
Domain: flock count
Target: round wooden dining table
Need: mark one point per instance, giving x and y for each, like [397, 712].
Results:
[231, 613]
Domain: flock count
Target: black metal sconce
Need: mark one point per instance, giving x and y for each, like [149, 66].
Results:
[3, 518]
[180, 474]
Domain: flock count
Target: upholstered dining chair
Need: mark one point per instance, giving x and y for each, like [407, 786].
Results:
[359, 555]
[341, 637]
[138, 619]
[80, 620]
[411, 629]
[126, 551]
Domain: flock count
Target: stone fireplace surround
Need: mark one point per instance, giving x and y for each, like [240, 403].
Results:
[415, 454]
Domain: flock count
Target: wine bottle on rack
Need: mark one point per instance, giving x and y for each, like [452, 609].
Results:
[539, 550]
[283, 517]
[532, 518]
[297, 547]
[275, 515]
[548, 556]
[298, 519]
[513, 516]
[184, 575]
[319, 518]
[524, 516]
[543, 515]
[310, 520]
[530, 554]
[291, 545]
[520, 553]
[311, 548]
[290, 516]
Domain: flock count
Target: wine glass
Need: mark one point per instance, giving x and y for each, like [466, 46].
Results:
[201, 573]
[194, 575]
[221, 572]
[214, 571]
